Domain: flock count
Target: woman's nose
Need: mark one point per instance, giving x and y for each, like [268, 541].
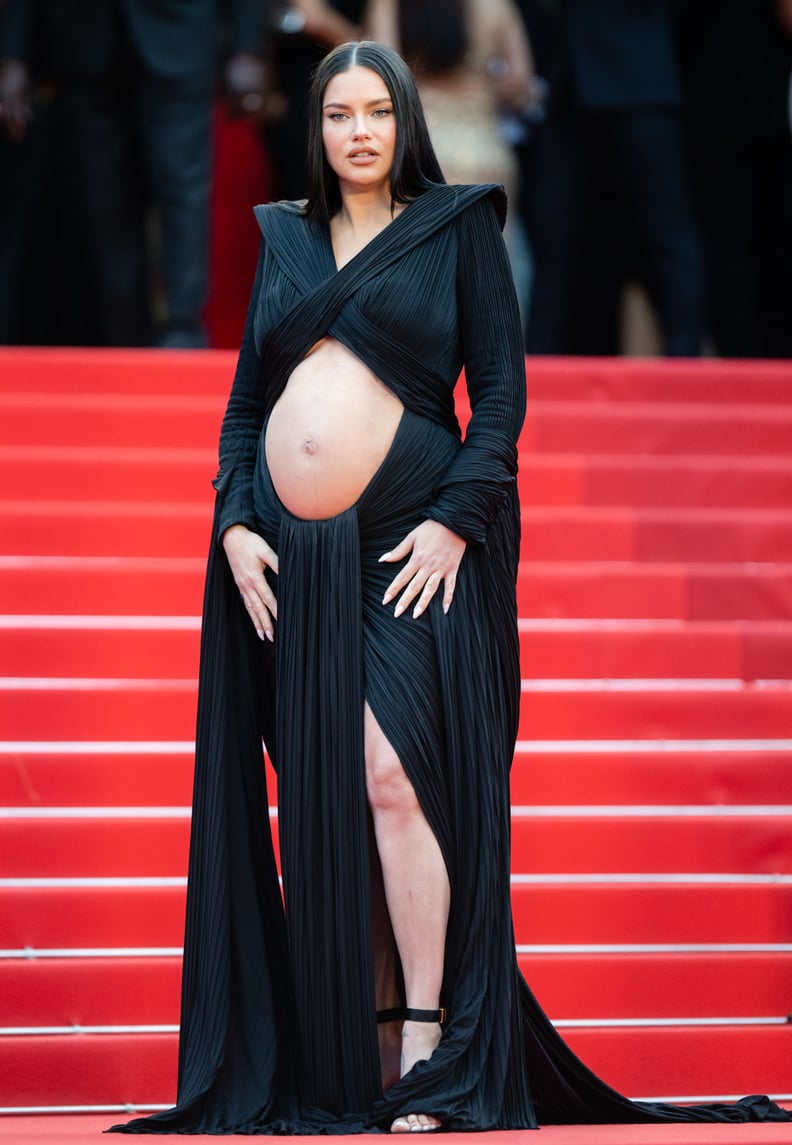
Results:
[359, 127]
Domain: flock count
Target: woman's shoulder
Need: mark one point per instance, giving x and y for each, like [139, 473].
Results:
[466, 196]
[282, 210]
[285, 223]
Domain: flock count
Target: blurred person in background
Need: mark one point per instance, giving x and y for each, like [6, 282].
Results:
[736, 59]
[473, 63]
[135, 84]
[46, 296]
[607, 193]
[303, 32]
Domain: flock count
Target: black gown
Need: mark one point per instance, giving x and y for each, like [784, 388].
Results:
[278, 1027]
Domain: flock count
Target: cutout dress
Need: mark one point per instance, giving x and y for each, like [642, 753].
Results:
[278, 1027]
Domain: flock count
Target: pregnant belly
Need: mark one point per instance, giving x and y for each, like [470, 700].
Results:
[329, 432]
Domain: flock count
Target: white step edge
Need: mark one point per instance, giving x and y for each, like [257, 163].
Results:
[40, 882]
[523, 746]
[78, 1030]
[31, 953]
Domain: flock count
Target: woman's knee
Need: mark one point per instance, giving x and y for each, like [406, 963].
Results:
[387, 785]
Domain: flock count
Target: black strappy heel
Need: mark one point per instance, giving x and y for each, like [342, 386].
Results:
[408, 1014]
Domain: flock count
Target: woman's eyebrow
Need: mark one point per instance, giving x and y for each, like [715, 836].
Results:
[370, 103]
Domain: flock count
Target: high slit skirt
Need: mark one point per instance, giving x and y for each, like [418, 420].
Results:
[444, 689]
[278, 1029]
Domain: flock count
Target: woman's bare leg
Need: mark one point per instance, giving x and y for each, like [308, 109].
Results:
[386, 973]
[417, 893]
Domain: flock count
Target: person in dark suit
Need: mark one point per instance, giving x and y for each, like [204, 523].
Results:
[736, 60]
[135, 83]
[612, 130]
[46, 297]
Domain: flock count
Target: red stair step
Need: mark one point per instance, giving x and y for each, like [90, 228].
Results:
[551, 426]
[654, 481]
[574, 913]
[570, 986]
[153, 709]
[685, 1061]
[573, 844]
[88, 847]
[70, 371]
[86, 918]
[689, 535]
[566, 712]
[85, 473]
[163, 528]
[161, 585]
[188, 372]
[88, 1069]
[107, 528]
[541, 844]
[90, 991]
[651, 912]
[660, 776]
[82, 779]
[159, 420]
[65, 472]
[658, 380]
[644, 1062]
[131, 585]
[134, 652]
[164, 709]
[65, 646]
[666, 649]
[646, 427]
[124, 990]
[700, 591]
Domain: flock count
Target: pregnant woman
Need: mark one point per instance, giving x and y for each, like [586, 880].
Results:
[360, 619]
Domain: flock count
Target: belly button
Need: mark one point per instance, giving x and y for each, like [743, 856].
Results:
[309, 445]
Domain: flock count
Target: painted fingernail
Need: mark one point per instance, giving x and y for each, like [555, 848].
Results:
[417, 611]
[387, 597]
[260, 633]
[384, 557]
[398, 610]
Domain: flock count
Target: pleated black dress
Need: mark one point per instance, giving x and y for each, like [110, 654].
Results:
[278, 1026]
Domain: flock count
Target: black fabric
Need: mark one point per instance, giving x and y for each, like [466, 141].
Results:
[279, 1031]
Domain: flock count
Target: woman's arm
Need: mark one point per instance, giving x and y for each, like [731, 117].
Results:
[241, 428]
[485, 468]
[248, 554]
[473, 488]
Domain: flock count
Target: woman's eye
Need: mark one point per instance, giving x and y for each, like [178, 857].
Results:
[381, 112]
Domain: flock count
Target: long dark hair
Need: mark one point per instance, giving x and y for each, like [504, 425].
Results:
[415, 167]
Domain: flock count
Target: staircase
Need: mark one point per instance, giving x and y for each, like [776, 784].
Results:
[652, 785]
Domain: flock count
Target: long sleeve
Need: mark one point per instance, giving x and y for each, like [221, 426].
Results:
[242, 424]
[474, 486]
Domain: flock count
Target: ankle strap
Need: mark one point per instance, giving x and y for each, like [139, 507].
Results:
[425, 1015]
[398, 1014]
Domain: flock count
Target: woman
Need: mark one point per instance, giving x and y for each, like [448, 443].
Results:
[383, 675]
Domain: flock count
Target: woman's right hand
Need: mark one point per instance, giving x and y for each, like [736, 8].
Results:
[249, 555]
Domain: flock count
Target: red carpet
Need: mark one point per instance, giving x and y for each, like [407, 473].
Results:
[652, 786]
[80, 1129]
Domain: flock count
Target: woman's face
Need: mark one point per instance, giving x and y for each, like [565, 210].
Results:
[359, 130]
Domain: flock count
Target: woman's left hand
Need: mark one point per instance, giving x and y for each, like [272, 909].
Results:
[435, 554]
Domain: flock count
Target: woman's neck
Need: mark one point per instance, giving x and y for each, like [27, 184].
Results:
[363, 209]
